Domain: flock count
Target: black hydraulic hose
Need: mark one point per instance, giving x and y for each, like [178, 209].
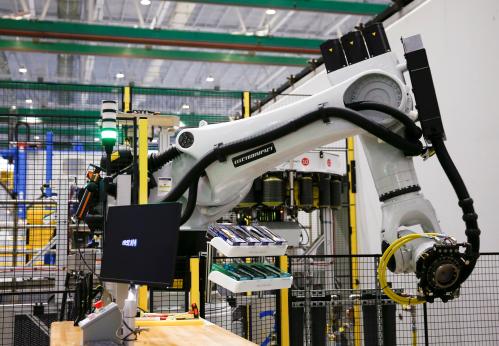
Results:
[411, 148]
[465, 201]
[155, 162]
[412, 130]
[191, 202]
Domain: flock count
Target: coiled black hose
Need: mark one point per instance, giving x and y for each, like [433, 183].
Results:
[411, 148]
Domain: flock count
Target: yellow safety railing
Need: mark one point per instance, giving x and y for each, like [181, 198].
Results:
[283, 264]
[143, 294]
[194, 292]
[353, 237]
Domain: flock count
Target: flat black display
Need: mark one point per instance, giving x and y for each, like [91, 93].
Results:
[140, 243]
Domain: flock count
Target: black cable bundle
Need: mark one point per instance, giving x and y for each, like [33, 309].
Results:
[155, 162]
[411, 148]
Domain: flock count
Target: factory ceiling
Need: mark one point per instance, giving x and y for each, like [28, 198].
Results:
[208, 44]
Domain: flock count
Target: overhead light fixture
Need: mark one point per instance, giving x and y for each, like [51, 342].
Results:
[13, 107]
[29, 101]
[23, 70]
[96, 139]
[145, 2]
[31, 120]
[270, 12]
[120, 75]
[36, 138]
[210, 79]
[249, 33]
[185, 106]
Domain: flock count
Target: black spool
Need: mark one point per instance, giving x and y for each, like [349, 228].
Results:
[306, 192]
[273, 192]
[324, 191]
[335, 194]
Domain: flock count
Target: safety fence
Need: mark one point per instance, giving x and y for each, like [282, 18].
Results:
[323, 309]
[191, 105]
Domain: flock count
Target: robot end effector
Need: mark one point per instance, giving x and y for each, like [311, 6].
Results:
[438, 261]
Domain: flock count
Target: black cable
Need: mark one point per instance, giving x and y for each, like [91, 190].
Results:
[411, 148]
[465, 201]
[191, 202]
[155, 162]
[412, 130]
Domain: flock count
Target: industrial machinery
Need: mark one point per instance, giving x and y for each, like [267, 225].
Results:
[211, 168]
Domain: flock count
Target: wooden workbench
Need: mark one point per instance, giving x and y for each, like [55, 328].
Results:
[65, 334]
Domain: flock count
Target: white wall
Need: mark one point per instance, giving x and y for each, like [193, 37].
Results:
[461, 39]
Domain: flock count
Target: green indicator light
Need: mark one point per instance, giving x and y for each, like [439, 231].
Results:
[109, 134]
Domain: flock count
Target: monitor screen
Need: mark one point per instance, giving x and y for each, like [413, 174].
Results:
[140, 243]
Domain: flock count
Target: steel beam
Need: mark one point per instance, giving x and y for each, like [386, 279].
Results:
[122, 34]
[328, 6]
[141, 53]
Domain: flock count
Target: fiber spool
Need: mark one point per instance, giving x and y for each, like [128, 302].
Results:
[324, 191]
[273, 192]
[306, 192]
[249, 200]
[335, 194]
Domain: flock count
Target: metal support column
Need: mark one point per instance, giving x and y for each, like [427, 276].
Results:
[284, 305]
[194, 292]
[246, 104]
[353, 233]
[143, 124]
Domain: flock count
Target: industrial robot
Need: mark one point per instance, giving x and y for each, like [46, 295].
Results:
[212, 167]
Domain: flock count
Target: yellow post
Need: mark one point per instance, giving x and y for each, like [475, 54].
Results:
[246, 104]
[353, 238]
[283, 264]
[194, 266]
[127, 99]
[143, 299]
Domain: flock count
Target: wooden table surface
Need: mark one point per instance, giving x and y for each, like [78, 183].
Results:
[65, 334]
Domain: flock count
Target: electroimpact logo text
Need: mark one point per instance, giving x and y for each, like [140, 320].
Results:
[253, 155]
[129, 242]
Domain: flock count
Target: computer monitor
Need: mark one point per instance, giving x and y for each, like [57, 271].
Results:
[140, 244]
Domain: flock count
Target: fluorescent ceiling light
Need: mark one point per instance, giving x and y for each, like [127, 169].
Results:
[96, 139]
[270, 12]
[13, 107]
[120, 75]
[29, 101]
[31, 120]
[36, 138]
[23, 70]
[145, 2]
[210, 79]
[185, 106]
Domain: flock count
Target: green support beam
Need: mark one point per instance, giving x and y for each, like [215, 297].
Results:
[328, 6]
[122, 34]
[141, 53]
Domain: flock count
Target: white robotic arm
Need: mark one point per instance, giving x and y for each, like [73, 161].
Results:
[218, 163]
